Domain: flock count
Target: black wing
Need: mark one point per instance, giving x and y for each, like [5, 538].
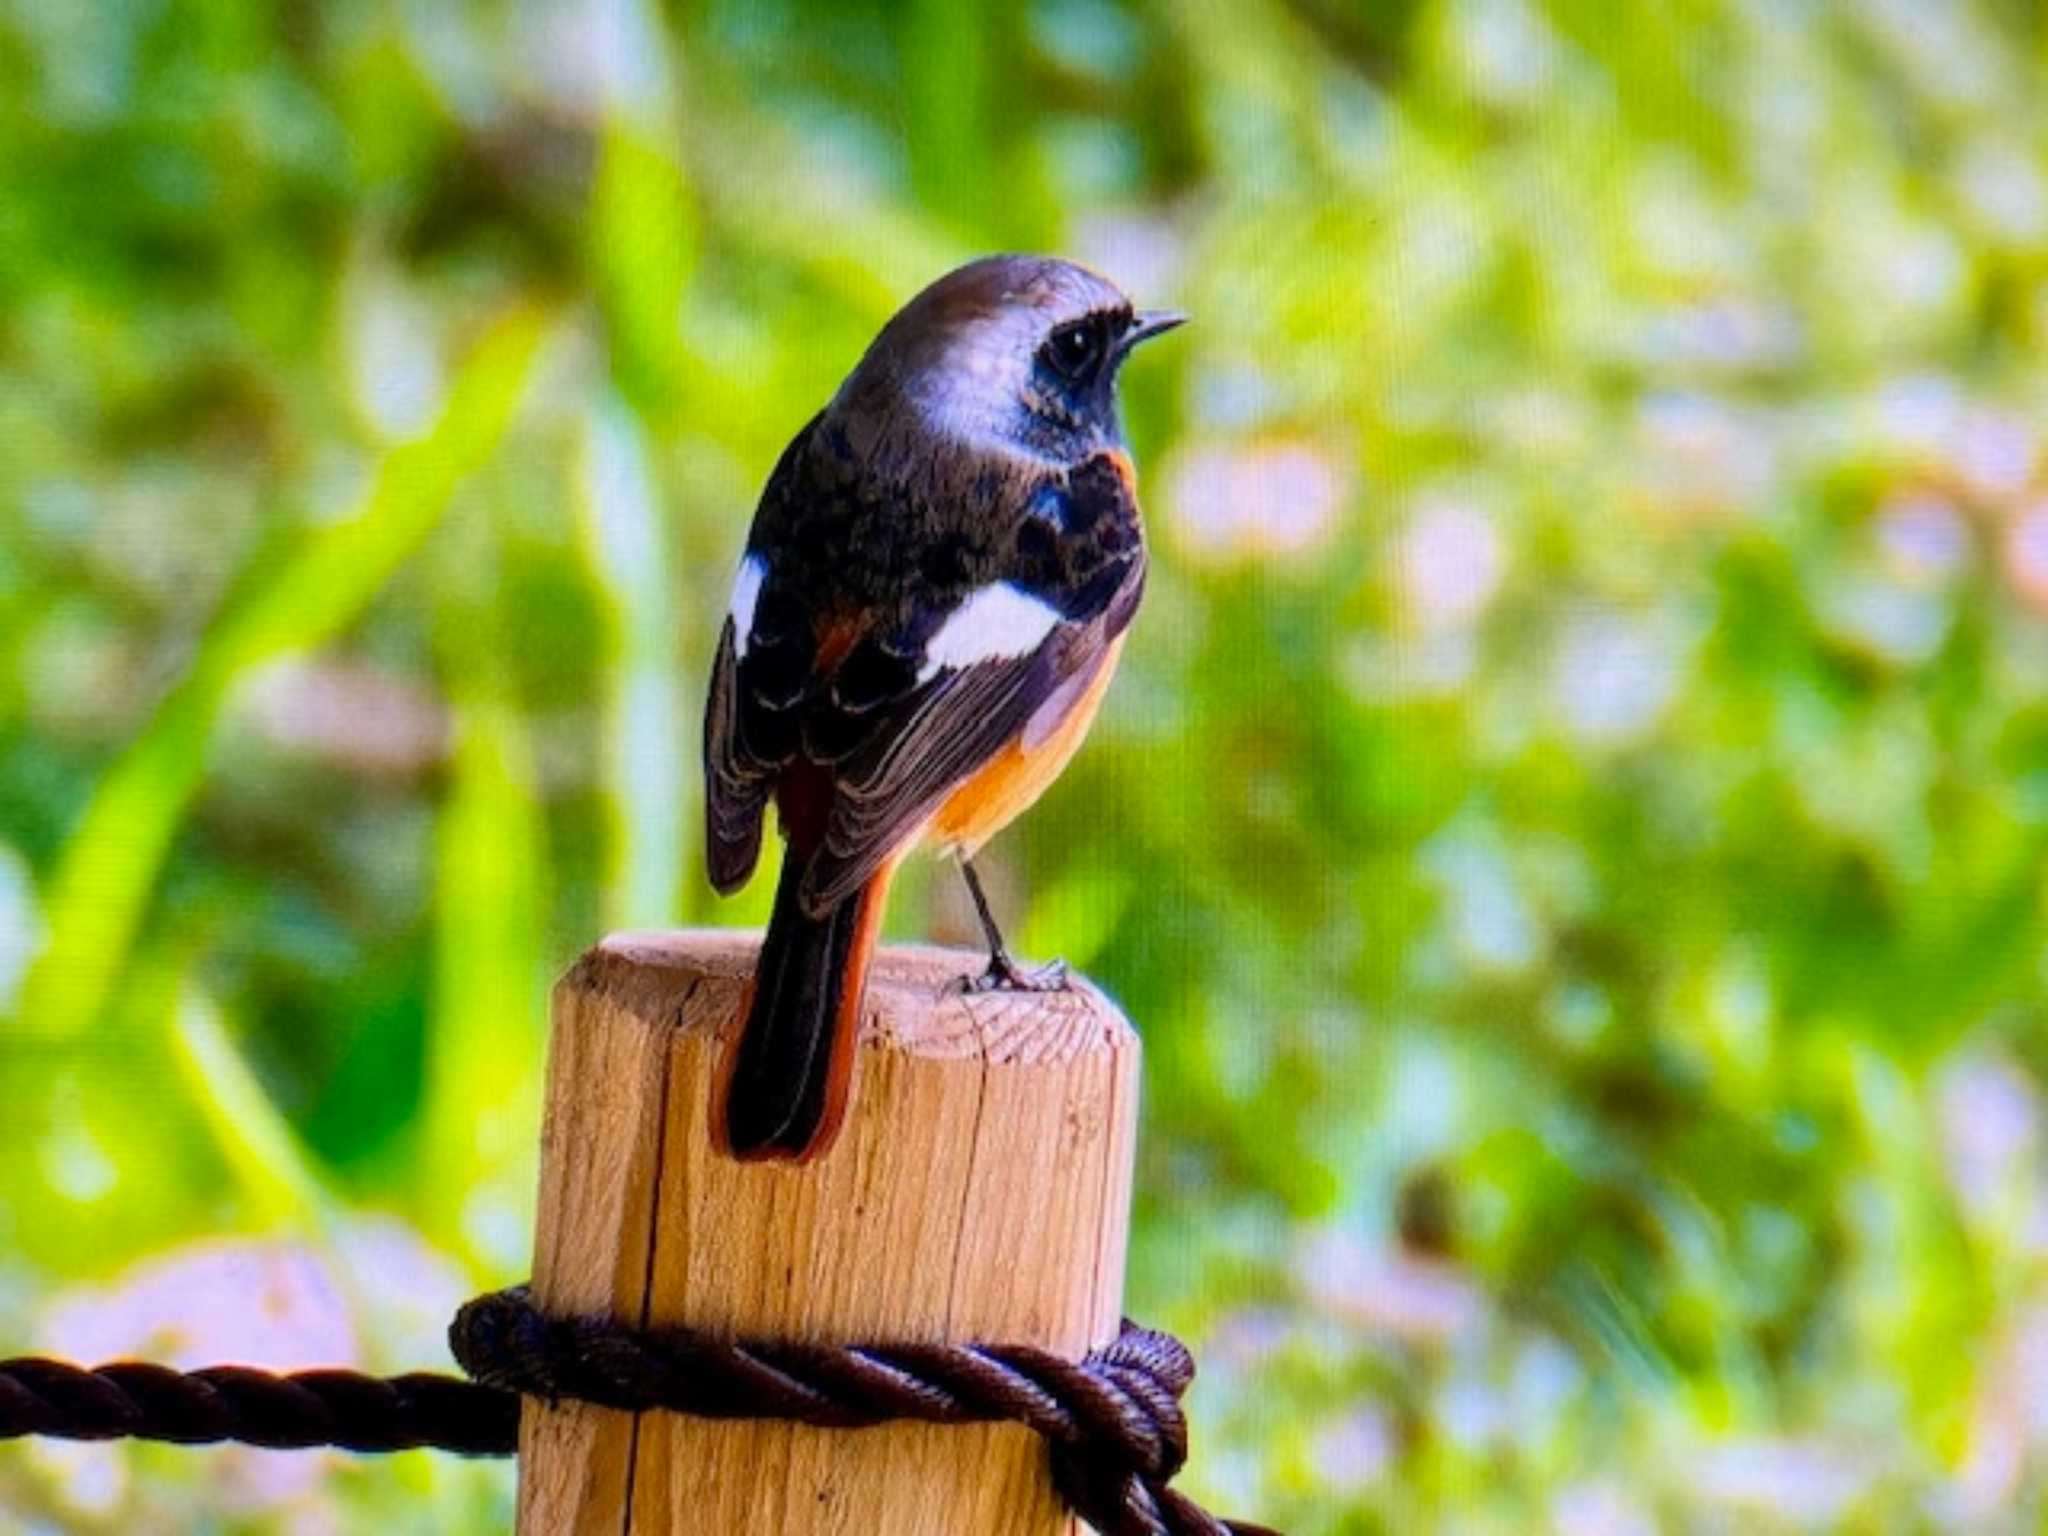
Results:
[760, 680]
[1081, 554]
[935, 737]
[753, 721]
[896, 735]
[736, 783]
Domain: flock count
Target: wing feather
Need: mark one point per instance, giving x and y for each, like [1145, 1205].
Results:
[923, 747]
[736, 783]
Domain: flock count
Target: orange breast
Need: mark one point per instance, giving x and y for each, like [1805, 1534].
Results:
[1016, 776]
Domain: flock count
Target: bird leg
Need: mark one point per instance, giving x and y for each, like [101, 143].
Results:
[1003, 973]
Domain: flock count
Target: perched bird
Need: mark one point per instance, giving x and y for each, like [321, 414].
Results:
[927, 613]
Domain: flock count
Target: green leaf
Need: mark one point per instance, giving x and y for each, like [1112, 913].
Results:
[261, 1149]
[111, 861]
[643, 243]
[484, 1044]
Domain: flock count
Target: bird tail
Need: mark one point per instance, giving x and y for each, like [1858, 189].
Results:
[788, 1074]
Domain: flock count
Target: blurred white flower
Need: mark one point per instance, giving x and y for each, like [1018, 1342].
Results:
[1945, 50]
[1545, 1377]
[1416, 1300]
[595, 55]
[1598, 1509]
[407, 1289]
[1885, 620]
[1277, 497]
[1696, 455]
[1146, 251]
[1438, 246]
[1923, 267]
[1738, 1011]
[1490, 925]
[1919, 413]
[2026, 553]
[447, 44]
[1354, 1451]
[1245, 1338]
[365, 719]
[1989, 1118]
[92, 1479]
[1232, 395]
[1471, 1414]
[21, 924]
[63, 512]
[252, 1303]
[222, 1302]
[1509, 53]
[75, 1162]
[1924, 539]
[497, 1216]
[1449, 562]
[1732, 332]
[393, 360]
[2008, 1420]
[2001, 183]
[1614, 675]
[1896, 280]
[1682, 227]
[2023, 1356]
[1806, 1482]
[1994, 454]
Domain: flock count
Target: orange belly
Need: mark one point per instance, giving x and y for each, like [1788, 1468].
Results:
[1016, 776]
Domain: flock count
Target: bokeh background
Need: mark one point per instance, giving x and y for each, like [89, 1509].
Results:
[1569, 826]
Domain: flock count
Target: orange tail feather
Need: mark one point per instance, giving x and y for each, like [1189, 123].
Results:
[788, 1077]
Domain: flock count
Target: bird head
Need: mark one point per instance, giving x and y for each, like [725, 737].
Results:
[1017, 353]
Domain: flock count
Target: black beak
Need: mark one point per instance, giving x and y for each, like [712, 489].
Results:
[1148, 323]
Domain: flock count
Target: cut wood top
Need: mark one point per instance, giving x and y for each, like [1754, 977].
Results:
[914, 1005]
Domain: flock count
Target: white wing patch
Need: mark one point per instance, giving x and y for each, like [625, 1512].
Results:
[997, 622]
[746, 592]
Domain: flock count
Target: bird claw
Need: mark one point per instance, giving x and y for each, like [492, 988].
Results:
[1004, 975]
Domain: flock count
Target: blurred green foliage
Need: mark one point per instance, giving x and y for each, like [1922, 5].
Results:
[1570, 823]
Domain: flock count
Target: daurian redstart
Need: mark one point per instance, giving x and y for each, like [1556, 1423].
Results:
[927, 613]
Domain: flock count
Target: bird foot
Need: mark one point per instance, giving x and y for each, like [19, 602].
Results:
[1005, 975]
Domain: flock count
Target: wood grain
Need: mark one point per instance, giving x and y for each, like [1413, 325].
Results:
[980, 1190]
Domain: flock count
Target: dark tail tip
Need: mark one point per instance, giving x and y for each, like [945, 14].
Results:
[762, 1128]
[789, 1073]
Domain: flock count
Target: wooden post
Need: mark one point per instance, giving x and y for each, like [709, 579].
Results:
[979, 1191]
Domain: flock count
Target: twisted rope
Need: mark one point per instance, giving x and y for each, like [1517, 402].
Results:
[134, 1400]
[1112, 1420]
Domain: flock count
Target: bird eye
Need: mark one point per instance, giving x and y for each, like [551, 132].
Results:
[1075, 350]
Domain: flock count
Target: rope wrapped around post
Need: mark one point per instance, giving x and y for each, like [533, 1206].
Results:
[1112, 1420]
